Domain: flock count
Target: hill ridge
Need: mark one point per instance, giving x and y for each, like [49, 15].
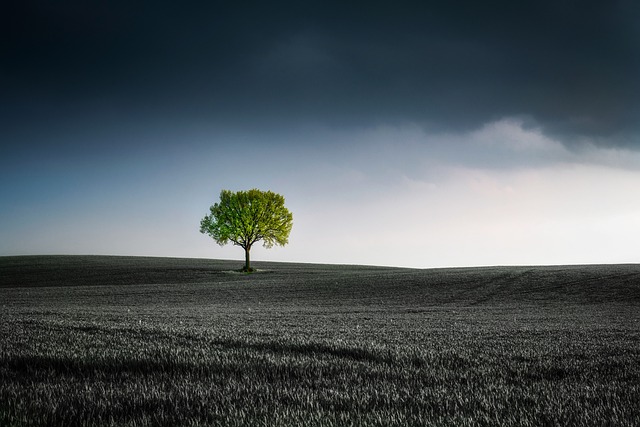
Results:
[330, 284]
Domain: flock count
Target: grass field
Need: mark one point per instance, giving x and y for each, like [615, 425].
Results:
[160, 341]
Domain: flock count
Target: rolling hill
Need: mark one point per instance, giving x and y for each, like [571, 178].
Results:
[97, 340]
[298, 284]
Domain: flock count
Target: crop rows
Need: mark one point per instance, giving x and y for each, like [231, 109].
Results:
[142, 356]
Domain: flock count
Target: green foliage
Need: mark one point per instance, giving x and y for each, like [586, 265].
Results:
[246, 217]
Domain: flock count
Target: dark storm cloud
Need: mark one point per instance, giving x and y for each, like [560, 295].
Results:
[571, 66]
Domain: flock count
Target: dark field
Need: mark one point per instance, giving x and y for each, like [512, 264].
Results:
[159, 341]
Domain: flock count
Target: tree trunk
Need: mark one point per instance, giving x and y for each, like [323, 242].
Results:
[247, 265]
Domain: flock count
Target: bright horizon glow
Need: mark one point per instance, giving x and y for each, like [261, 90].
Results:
[389, 196]
[427, 135]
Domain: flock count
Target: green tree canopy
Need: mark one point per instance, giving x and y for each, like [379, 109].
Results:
[246, 217]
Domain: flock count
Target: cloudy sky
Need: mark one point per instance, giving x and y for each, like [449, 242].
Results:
[422, 134]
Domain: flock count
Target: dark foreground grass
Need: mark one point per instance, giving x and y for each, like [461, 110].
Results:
[316, 345]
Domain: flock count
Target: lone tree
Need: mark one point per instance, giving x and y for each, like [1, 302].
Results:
[246, 217]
